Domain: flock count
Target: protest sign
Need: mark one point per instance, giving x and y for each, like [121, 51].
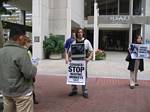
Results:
[35, 60]
[76, 73]
[140, 51]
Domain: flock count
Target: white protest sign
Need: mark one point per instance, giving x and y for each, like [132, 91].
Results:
[140, 51]
[144, 51]
[35, 60]
[76, 73]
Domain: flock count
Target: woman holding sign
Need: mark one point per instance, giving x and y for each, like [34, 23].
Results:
[76, 52]
[135, 64]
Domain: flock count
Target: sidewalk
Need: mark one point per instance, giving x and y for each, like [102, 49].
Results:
[105, 95]
[114, 66]
[107, 85]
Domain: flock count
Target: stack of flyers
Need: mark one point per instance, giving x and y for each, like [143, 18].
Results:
[35, 60]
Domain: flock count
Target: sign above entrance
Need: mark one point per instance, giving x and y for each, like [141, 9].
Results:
[119, 19]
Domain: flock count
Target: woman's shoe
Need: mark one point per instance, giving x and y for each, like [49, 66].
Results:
[137, 84]
[131, 87]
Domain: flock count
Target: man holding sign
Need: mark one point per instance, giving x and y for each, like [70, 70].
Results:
[80, 53]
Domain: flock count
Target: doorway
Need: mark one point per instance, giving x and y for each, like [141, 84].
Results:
[114, 40]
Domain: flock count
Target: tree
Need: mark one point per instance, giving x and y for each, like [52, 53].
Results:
[3, 10]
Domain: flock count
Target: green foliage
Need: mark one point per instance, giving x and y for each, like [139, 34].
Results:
[100, 55]
[53, 45]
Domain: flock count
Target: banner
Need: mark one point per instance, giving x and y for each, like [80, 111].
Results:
[140, 51]
[76, 72]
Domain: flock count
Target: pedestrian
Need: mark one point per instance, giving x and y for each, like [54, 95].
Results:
[17, 73]
[89, 53]
[135, 65]
[29, 49]
[68, 43]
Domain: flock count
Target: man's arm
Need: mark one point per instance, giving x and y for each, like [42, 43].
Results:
[66, 56]
[90, 49]
[66, 50]
[90, 56]
[27, 68]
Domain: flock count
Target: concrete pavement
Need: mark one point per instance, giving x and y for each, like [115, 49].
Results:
[105, 95]
[107, 85]
[114, 66]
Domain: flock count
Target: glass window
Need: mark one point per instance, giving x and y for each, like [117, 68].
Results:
[137, 7]
[136, 30]
[112, 7]
[108, 7]
[124, 7]
[102, 7]
[88, 8]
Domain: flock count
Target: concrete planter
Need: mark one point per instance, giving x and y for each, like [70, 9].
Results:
[55, 56]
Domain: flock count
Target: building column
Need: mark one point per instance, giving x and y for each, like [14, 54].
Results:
[143, 6]
[22, 17]
[40, 26]
[143, 14]
[142, 30]
[131, 26]
[147, 26]
[68, 25]
[130, 33]
[96, 28]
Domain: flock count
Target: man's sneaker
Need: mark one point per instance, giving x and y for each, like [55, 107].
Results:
[85, 95]
[73, 93]
[35, 101]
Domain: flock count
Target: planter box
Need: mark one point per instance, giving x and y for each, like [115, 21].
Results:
[100, 58]
[55, 56]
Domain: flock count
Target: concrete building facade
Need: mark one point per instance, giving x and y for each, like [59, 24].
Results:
[54, 17]
[118, 21]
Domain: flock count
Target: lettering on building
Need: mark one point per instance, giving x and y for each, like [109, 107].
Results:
[119, 19]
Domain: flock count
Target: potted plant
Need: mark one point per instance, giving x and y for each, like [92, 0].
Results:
[100, 54]
[54, 46]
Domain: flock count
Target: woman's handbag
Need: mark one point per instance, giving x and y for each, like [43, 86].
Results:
[128, 57]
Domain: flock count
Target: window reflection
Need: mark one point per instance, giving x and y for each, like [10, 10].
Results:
[137, 7]
[113, 7]
[108, 7]
[124, 7]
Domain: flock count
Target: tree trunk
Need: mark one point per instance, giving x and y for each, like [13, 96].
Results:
[1, 34]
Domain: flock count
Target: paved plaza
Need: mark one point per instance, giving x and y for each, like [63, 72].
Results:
[114, 66]
[105, 95]
[107, 83]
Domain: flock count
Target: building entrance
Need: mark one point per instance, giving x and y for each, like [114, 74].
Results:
[114, 40]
